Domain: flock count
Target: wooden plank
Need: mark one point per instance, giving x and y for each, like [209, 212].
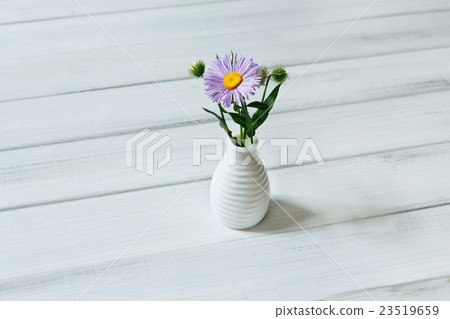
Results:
[95, 167]
[435, 289]
[123, 110]
[343, 191]
[176, 24]
[45, 69]
[150, 26]
[19, 11]
[412, 247]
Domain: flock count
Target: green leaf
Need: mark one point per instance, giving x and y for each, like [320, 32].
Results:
[222, 122]
[270, 100]
[237, 118]
[258, 105]
[249, 125]
[261, 115]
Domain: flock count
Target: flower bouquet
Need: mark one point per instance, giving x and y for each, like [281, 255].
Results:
[229, 82]
[240, 191]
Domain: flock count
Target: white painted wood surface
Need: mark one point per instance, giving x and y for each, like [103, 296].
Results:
[377, 105]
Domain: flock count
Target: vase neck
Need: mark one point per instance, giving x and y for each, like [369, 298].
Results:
[242, 155]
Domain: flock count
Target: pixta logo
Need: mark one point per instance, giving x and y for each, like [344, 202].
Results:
[141, 149]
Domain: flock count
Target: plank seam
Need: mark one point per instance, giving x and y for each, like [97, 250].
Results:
[134, 260]
[75, 16]
[445, 88]
[332, 297]
[206, 178]
[324, 61]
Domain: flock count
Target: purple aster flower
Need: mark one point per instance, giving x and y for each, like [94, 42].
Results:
[232, 78]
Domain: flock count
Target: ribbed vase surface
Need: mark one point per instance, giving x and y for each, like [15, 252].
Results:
[240, 191]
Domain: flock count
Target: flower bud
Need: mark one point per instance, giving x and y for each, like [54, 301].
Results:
[279, 74]
[197, 69]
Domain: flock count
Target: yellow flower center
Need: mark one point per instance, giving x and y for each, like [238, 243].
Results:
[232, 80]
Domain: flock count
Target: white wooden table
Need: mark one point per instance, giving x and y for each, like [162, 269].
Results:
[377, 104]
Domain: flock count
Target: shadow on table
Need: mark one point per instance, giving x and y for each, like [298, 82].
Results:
[277, 219]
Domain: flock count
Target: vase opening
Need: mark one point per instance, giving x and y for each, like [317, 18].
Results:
[243, 155]
[236, 141]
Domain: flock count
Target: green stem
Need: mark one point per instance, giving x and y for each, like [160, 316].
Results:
[265, 88]
[240, 127]
[223, 117]
[245, 113]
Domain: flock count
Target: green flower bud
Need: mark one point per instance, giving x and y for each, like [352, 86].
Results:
[197, 69]
[264, 73]
[279, 74]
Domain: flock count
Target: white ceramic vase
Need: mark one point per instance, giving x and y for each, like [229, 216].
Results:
[240, 191]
